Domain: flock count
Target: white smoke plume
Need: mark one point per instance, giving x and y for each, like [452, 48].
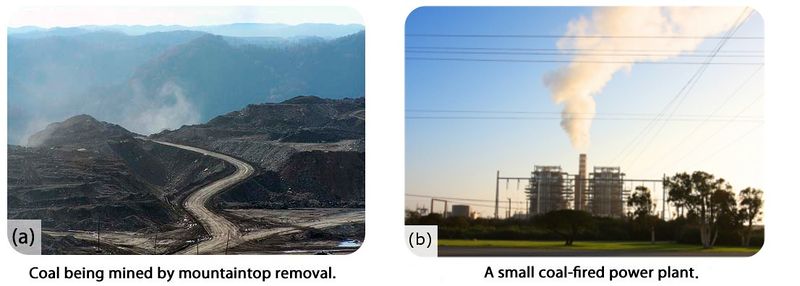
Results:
[169, 109]
[576, 85]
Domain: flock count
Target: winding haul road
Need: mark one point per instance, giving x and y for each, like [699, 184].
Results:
[223, 233]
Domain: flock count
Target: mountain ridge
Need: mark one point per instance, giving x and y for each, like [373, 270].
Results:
[169, 79]
[77, 130]
[324, 30]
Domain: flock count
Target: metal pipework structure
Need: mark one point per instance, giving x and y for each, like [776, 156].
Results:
[549, 189]
[497, 190]
[497, 195]
[607, 195]
[568, 184]
[444, 212]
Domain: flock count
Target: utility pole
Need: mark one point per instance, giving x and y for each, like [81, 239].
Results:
[509, 208]
[444, 212]
[663, 198]
[226, 242]
[97, 248]
[527, 207]
[497, 195]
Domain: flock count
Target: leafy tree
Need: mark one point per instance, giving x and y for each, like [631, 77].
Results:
[705, 200]
[431, 219]
[643, 206]
[680, 188]
[457, 222]
[750, 204]
[566, 223]
[412, 217]
[723, 207]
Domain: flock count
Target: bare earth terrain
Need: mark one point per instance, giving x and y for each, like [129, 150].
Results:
[256, 227]
[222, 231]
[282, 177]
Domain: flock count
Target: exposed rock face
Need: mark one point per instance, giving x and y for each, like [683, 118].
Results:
[330, 175]
[82, 131]
[304, 119]
[310, 179]
[86, 174]
[80, 190]
[310, 150]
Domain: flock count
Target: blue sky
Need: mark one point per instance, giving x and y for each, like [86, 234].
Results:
[459, 157]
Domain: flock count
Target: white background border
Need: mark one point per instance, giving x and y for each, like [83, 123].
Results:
[383, 258]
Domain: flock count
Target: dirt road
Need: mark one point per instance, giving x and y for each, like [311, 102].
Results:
[223, 232]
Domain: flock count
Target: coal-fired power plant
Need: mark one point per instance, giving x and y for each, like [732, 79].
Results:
[600, 192]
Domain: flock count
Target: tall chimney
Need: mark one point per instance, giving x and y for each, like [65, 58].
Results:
[580, 183]
[582, 166]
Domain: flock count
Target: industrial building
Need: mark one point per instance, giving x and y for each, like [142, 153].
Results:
[549, 189]
[460, 211]
[606, 193]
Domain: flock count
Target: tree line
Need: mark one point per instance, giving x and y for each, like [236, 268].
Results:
[707, 212]
[711, 205]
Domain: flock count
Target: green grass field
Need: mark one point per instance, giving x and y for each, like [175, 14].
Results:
[624, 246]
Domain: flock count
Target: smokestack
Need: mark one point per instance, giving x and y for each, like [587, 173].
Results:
[580, 183]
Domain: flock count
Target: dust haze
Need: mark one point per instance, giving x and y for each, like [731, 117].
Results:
[135, 109]
[170, 109]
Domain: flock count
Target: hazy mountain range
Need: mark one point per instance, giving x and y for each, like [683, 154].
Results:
[233, 30]
[151, 78]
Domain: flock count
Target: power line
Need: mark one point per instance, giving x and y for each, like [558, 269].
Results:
[539, 36]
[578, 118]
[697, 127]
[734, 141]
[707, 138]
[686, 89]
[689, 87]
[466, 200]
[623, 153]
[462, 200]
[573, 54]
[571, 61]
[449, 198]
[579, 50]
[555, 113]
[639, 135]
